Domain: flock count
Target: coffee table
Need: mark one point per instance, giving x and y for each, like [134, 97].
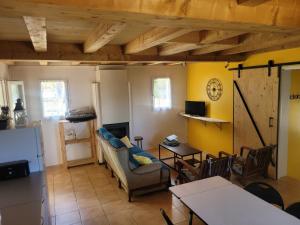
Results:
[179, 152]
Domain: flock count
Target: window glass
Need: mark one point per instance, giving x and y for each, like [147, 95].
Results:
[54, 98]
[161, 93]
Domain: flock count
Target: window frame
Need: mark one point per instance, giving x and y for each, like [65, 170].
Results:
[152, 94]
[66, 98]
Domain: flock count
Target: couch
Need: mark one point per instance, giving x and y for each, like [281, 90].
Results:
[135, 179]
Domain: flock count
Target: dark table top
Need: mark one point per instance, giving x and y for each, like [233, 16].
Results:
[182, 150]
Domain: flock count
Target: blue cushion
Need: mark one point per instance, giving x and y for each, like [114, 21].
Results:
[102, 130]
[107, 135]
[146, 154]
[135, 149]
[116, 142]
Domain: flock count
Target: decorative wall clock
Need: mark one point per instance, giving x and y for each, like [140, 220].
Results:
[214, 89]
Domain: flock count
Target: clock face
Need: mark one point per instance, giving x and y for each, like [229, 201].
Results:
[214, 89]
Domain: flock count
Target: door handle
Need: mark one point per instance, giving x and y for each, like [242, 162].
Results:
[271, 119]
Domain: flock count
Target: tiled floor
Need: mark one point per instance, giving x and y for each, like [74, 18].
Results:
[88, 195]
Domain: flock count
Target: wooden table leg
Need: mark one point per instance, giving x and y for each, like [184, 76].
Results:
[191, 218]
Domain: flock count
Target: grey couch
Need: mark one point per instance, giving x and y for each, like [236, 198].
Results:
[135, 181]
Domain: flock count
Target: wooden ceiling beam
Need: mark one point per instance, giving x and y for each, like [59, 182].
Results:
[154, 37]
[217, 14]
[36, 27]
[251, 2]
[211, 48]
[256, 42]
[224, 38]
[108, 53]
[102, 35]
[154, 63]
[175, 48]
[43, 63]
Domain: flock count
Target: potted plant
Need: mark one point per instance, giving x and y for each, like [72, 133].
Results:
[4, 117]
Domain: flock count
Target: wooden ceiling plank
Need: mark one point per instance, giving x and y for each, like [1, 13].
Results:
[108, 53]
[36, 27]
[251, 2]
[217, 14]
[154, 37]
[102, 35]
[256, 42]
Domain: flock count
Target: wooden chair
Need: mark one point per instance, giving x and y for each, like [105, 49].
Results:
[254, 162]
[294, 209]
[165, 216]
[266, 192]
[212, 166]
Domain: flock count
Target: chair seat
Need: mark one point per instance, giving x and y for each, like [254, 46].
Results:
[237, 168]
[188, 175]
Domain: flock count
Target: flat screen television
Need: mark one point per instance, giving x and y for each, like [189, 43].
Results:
[196, 108]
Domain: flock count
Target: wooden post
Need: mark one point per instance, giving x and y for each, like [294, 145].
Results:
[62, 143]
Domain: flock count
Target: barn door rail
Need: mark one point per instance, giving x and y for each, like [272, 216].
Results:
[269, 65]
[249, 113]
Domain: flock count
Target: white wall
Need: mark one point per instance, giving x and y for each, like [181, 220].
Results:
[3, 71]
[285, 85]
[79, 81]
[154, 126]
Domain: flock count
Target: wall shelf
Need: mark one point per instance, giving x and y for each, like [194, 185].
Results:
[205, 120]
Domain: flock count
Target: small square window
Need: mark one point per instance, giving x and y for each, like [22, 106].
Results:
[54, 98]
[162, 93]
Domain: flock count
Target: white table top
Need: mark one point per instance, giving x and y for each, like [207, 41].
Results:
[199, 186]
[231, 205]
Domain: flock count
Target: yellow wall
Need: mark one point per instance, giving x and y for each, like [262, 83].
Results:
[210, 138]
[294, 128]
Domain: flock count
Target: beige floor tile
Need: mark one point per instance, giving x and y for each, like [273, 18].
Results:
[68, 218]
[87, 202]
[65, 207]
[91, 212]
[116, 206]
[98, 220]
[108, 196]
[122, 217]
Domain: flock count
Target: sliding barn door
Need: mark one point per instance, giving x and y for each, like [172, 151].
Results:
[256, 94]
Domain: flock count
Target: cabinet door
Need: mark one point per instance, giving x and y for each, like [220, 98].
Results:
[20, 144]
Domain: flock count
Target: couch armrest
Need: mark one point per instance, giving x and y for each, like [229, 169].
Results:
[147, 168]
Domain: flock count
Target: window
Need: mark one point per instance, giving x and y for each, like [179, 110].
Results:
[54, 98]
[161, 93]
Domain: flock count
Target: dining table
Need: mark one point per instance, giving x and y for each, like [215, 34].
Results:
[217, 201]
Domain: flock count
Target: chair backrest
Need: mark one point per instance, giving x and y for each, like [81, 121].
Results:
[265, 192]
[165, 216]
[294, 209]
[258, 160]
[215, 167]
